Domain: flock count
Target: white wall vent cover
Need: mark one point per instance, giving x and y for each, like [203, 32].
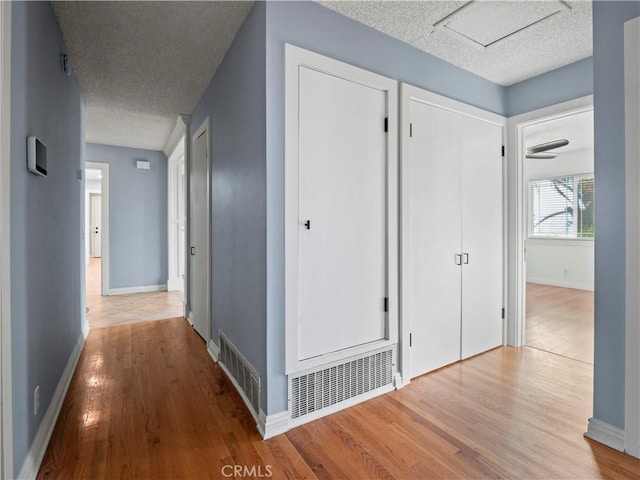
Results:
[484, 23]
[331, 385]
[241, 371]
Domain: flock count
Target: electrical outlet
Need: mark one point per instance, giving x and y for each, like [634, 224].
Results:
[36, 400]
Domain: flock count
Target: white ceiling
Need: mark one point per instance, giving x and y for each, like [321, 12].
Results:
[141, 63]
[577, 128]
[435, 26]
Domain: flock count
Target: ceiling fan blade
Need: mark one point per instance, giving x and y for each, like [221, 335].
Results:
[543, 147]
[542, 155]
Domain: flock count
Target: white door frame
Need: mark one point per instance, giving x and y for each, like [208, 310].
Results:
[632, 165]
[6, 411]
[104, 191]
[517, 214]
[294, 58]
[175, 163]
[205, 126]
[410, 93]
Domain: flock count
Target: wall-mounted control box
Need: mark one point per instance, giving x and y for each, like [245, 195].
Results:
[36, 156]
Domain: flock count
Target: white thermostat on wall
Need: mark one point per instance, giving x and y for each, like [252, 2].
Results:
[143, 165]
[36, 156]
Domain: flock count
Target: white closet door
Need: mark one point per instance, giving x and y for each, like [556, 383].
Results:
[481, 236]
[342, 223]
[432, 228]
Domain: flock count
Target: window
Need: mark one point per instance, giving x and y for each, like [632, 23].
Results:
[562, 207]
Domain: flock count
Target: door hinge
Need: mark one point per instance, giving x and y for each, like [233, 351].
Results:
[411, 130]
[386, 124]
[411, 339]
[386, 304]
[503, 150]
[503, 313]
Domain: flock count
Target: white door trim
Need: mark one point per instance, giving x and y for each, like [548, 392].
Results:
[294, 58]
[104, 191]
[410, 93]
[175, 163]
[516, 210]
[6, 417]
[632, 162]
[205, 126]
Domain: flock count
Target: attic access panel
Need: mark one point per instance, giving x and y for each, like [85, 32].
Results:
[485, 23]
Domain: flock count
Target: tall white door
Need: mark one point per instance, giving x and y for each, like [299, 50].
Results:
[200, 265]
[453, 236]
[482, 271]
[95, 225]
[342, 214]
[433, 231]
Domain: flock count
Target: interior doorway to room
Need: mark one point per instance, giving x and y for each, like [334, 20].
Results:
[94, 233]
[559, 185]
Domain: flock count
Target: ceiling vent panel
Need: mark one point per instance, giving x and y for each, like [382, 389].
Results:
[484, 23]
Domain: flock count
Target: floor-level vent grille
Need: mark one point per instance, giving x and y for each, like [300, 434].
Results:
[313, 391]
[242, 372]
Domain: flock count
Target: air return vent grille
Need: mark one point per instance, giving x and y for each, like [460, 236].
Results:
[246, 378]
[317, 390]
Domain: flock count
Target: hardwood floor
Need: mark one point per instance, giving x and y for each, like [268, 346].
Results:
[125, 309]
[560, 320]
[146, 401]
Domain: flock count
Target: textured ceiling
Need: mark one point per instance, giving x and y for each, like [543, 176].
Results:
[555, 41]
[140, 64]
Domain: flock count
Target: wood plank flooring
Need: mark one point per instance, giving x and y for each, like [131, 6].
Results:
[124, 309]
[146, 401]
[560, 320]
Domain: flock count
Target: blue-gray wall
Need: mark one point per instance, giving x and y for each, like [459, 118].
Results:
[235, 102]
[45, 217]
[565, 83]
[311, 26]
[138, 253]
[610, 286]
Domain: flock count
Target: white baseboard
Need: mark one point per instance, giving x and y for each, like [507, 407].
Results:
[141, 289]
[38, 448]
[175, 284]
[606, 434]
[213, 350]
[272, 425]
[398, 381]
[190, 318]
[560, 283]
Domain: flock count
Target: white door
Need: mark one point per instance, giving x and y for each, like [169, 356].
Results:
[95, 225]
[181, 224]
[433, 229]
[200, 244]
[342, 214]
[482, 236]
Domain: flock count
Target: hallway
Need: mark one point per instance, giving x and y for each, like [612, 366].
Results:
[146, 401]
[115, 310]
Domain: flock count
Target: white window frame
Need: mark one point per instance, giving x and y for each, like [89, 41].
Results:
[296, 57]
[530, 235]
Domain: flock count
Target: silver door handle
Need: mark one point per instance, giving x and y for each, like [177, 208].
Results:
[466, 258]
[458, 259]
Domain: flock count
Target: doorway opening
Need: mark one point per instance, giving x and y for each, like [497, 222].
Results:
[558, 196]
[93, 233]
